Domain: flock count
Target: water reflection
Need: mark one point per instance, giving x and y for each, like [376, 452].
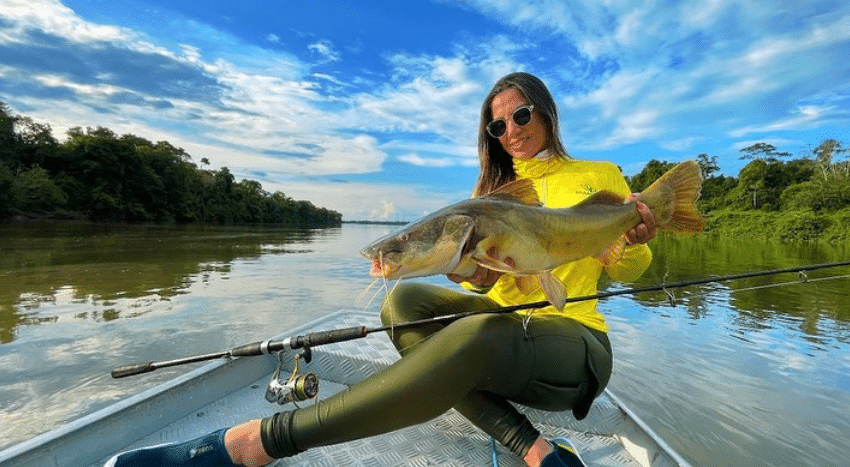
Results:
[752, 372]
[800, 300]
[118, 271]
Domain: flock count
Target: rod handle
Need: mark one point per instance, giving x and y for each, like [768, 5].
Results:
[135, 369]
[332, 336]
[248, 350]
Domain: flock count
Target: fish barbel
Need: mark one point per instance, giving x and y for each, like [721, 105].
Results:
[511, 223]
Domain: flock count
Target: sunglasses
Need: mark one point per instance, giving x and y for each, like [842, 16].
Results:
[521, 116]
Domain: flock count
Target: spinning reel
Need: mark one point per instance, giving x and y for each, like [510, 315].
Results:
[298, 387]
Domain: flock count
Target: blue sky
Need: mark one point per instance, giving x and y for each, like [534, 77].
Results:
[371, 108]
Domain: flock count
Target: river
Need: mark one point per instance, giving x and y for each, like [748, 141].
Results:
[753, 372]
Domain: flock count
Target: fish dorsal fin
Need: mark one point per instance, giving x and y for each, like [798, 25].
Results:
[602, 197]
[520, 190]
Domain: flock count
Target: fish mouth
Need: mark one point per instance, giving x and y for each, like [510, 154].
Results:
[383, 268]
[377, 269]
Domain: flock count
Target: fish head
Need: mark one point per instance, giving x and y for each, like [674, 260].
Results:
[432, 245]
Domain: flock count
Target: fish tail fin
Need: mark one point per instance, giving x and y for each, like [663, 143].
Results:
[672, 199]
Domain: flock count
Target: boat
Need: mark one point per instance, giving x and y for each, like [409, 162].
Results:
[229, 391]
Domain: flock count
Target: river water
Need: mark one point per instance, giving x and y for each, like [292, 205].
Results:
[753, 372]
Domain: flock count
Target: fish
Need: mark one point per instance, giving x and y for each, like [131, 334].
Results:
[510, 231]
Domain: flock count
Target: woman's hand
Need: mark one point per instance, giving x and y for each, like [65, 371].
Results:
[646, 230]
[482, 277]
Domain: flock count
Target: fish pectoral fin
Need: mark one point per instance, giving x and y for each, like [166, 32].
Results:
[492, 263]
[465, 267]
[527, 284]
[554, 289]
[488, 253]
[613, 252]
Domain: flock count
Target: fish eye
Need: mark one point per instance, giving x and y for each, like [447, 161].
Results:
[404, 237]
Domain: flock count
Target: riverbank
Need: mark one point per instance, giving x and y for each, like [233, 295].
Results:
[786, 226]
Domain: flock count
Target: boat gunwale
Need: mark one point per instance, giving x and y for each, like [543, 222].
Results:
[190, 392]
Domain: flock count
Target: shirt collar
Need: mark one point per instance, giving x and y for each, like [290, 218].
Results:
[535, 167]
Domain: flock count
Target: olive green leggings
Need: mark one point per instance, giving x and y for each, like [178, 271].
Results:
[476, 365]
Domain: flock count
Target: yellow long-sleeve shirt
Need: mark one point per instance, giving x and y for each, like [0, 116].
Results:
[561, 184]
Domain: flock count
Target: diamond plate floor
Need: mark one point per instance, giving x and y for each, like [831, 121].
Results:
[448, 440]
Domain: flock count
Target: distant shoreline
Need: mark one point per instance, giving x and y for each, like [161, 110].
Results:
[377, 222]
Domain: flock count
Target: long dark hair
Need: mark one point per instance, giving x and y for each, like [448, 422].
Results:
[496, 164]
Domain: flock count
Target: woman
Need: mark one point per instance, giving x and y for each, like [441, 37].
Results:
[556, 360]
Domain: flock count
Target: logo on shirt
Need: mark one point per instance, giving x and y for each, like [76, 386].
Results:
[586, 190]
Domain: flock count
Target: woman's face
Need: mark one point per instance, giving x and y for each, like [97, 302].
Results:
[519, 141]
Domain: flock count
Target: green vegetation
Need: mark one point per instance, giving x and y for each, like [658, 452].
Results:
[98, 175]
[804, 199]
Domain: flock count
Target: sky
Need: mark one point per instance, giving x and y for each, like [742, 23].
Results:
[371, 108]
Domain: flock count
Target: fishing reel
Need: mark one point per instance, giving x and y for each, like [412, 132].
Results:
[298, 387]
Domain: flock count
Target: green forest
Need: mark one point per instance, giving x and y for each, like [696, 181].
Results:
[97, 175]
[776, 195]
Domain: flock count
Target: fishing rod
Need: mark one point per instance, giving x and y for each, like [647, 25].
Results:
[340, 335]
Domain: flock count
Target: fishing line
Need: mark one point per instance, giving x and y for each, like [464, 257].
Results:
[670, 297]
[392, 310]
[362, 296]
[807, 280]
[708, 280]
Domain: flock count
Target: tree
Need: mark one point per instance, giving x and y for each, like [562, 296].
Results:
[102, 163]
[7, 179]
[762, 151]
[35, 142]
[761, 182]
[34, 191]
[128, 178]
[651, 172]
[707, 165]
[825, 155]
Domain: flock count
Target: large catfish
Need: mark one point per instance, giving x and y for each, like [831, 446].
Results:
[511, 223]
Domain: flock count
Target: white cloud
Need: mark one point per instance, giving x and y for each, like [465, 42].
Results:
[326, 155]
[272, 113]
[330, 79]
[53, 17]
[416, 159]
[682, 144]
[440, 95]
[325, 49]
[677, 67]
[386, 213]
[368, 201]
[803, 118]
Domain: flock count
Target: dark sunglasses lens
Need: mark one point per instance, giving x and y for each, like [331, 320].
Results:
[497, 128]
[522, 116]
